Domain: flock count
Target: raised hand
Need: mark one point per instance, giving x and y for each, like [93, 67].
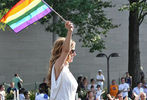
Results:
[69, 26]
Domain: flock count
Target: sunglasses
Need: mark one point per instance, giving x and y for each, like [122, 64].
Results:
[72, 51]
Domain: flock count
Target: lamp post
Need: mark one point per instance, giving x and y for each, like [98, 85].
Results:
[108, 57]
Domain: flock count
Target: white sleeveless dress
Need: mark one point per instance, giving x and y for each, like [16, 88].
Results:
[64, 88]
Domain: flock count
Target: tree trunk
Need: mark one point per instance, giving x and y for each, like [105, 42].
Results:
[134, 52]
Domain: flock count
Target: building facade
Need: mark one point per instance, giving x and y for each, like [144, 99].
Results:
[28, 52]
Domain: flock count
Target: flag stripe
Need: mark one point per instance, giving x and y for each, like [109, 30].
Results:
[16, 8]
[25, 14]
[30, 16]
[21, 1]
[35, 18]
[21, 12]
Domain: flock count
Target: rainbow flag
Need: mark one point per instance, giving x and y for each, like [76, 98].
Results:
[24, 13]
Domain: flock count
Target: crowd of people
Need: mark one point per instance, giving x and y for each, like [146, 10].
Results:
[122, 91]
[20, 93]
[92, 90]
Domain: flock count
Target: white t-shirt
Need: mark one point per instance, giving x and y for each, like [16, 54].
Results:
[65, 87]
[21, 97]
[100, 77]
[42, 97]
[98, 94]
[124, 87]
[137, 91]
[2, 95]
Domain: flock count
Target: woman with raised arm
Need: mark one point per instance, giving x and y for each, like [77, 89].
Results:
[61, 81]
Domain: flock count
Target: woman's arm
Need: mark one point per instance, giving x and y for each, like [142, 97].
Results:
[135, 95]
[109, 97]
[20, 79]
[65, 50]
[126, 98]
[103, 92]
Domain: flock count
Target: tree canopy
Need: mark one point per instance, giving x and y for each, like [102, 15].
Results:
[87, 15]
[137, 5]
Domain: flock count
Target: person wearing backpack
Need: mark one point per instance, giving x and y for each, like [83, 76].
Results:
[17, 81]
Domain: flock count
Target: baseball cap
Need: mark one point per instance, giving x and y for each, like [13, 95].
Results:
[100, 70]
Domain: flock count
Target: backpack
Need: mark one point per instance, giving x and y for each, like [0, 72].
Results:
[19, 84]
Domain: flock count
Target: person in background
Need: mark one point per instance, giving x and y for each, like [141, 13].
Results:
[11, 88]
[79, 81]
[17, 80]
[93, 90]
[80, 78]
[137, 90]
[45, 80]
[143, 96]
[145, 88]
[113, 89]
[124, 88]
[42, 95]
[128, 79]
[84, 83]
[90, 96]
[92, 83]
[27, 95]
[2, 92]
[118, 96]
[21, 94]
[99, 92]
[100, 79]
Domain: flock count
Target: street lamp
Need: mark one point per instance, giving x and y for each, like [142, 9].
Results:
[108, 57]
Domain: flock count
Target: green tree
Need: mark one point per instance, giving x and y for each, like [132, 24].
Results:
[137, 12]
[87, 15]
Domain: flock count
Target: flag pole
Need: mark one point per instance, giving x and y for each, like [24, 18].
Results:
[54, 11]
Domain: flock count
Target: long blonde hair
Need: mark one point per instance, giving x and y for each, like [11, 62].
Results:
[55, 54]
